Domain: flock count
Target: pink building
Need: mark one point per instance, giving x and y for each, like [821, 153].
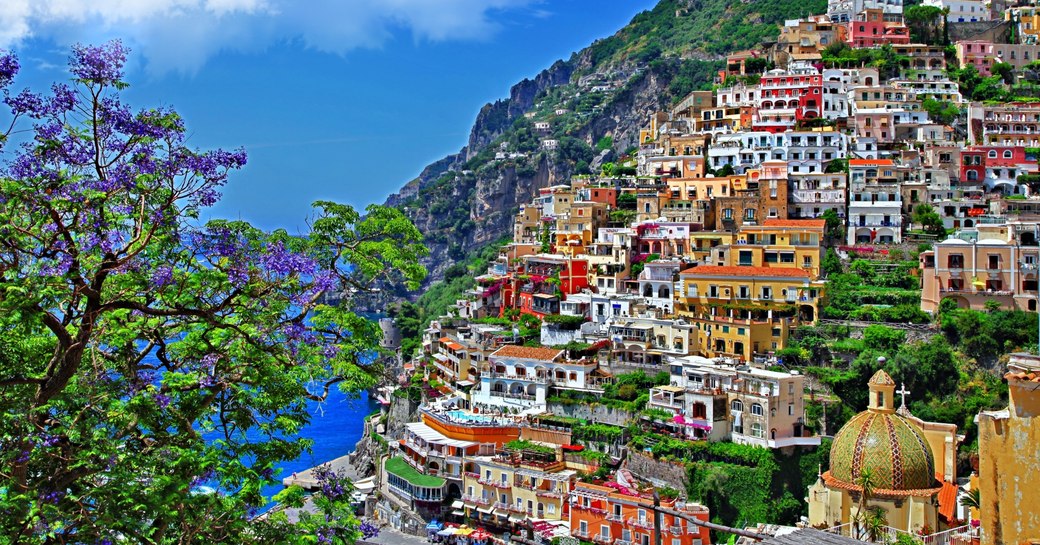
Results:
[870, 29]
[978, 53]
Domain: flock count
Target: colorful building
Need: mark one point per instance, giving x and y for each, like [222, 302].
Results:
[613, 514]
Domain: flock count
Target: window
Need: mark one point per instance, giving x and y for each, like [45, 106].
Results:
[790, 409]
[807, 261]
[583, 527]
[736, 405]
[756, 409]
[551, 508]
[756, 429]
[767, 292]
[604, 531]
[992, 154]
[955, 261]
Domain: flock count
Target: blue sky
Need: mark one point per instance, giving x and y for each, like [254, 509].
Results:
[343, 100]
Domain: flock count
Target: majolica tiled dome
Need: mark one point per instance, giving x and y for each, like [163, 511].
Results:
[892, 447]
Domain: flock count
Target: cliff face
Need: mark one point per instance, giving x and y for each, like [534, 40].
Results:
[594, 105]
[485, 196]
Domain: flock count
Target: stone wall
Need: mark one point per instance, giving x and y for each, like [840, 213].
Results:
[402, 411]
[552, 336]
[658, 472]
[593, 413]
[991, 31]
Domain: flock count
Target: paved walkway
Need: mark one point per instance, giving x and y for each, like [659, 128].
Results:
[307, 480]
[389, 536]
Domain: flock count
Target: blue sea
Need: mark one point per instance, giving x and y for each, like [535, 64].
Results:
[336, 427]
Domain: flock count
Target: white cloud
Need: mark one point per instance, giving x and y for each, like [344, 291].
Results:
[179, 35]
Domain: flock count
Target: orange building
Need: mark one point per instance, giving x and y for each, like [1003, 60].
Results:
[615, 515]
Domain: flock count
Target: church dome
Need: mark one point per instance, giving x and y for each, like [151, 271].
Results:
[893, 448]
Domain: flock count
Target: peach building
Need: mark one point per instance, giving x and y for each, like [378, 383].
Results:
[978, 266]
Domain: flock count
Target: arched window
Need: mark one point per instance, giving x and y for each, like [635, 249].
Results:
[973, 175]
[756, 409]
[1007, 154]
[737, 405]
[757, 430]
[992, 154]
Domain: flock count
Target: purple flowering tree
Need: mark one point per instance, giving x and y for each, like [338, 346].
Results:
[144, 354]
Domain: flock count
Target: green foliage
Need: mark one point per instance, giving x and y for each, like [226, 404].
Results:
[941, 112]
[407, 317]
[521, 445]
[831, 263]
[883, 338]
[561, 321]
[927, 24]
[674, 27]
[434, 302]
[143, 353]
[835, 225]
[1005, 71]
[604, 143]
[599, 433]
[836, 166]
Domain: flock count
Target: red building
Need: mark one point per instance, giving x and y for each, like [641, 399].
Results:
[786, 97]
[609, 514]
[973, 166]
[607, 195]
[870, 29]
[546, 279]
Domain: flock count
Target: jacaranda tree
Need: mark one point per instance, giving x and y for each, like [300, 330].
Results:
[154, 370]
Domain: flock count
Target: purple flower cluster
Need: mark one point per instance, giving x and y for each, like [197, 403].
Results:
[368, 530]
[162, 400]
[101, 65]
[162, 276]
[334, 485]
[8, 68]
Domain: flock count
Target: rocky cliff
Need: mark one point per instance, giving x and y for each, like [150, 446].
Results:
[595, 103]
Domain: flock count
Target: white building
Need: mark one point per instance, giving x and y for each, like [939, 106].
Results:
[846, 10]
[519, 377]
[875, 202]
[962, 11]
[810, 195]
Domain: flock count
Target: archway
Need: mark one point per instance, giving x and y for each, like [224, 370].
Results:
[663, 292]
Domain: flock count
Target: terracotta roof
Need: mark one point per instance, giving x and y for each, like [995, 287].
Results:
[832, 482]
[445, 339]
[1028, 377]
[777, 222]
[454, 346]
[865, 162]
[716, 270]
[528, 352]
[947, 500]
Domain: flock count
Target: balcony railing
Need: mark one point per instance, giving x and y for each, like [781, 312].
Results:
[641, 523]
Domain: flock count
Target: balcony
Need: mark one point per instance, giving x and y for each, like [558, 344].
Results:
[646, 524]
[615, 518]
[600, 538]
[477, 500]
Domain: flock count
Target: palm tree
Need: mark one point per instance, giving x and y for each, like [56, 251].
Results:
[866, 482]
[973, 499]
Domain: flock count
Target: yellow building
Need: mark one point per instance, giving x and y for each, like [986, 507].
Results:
[898, 456]
[1009, 463]
[743, 311]
[777, 243]
[576, 230]
[517, 485]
